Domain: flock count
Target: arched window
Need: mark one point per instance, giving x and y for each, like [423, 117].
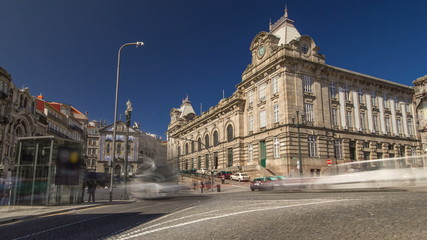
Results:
[215, 139]
[206, 141]
[186, 148]
[199, 144]
[230, 133]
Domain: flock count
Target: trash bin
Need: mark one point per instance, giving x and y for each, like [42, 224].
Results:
[218, 188]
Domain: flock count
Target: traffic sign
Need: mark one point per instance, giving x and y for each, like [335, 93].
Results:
[329, 161]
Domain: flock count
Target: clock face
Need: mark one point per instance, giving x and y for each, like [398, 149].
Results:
[261, 51]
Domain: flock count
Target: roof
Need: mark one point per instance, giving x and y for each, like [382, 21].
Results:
[186, 108]
[284, 29]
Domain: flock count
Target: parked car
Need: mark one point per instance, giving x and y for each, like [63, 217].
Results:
[240, 177]
[226, 174]
[202, 171]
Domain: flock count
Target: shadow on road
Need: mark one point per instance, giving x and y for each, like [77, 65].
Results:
[75, 226]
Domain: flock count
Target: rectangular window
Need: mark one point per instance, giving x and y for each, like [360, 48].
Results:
[230, 157]
[361, 100]
[347, 93]
[250, 98]
[307, 83]
[276, 147]
[396, 104]
[374, 99]
[362, 121]
[262, 119]
[387, 124]
[261, 92]
[375, 120]
[385, 102]
[332, 90]
[337, 149]
[334, 117]
[275, 84]
[349, 119]
[276, 112]
[309, 114]
[250, 123]
[199, 162]
[207, 160]
[399, 126]
[312, 146]
[250, 153]
[410, 131]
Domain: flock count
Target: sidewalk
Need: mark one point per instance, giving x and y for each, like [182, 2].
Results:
[10, 214]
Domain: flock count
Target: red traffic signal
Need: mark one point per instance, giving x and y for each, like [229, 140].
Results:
[329, 161]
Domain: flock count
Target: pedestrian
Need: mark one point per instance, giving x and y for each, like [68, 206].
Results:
[202, 185]
[91, 188]
[194, 184]
[222, 179]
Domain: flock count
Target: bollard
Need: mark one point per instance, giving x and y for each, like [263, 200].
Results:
[218, 188]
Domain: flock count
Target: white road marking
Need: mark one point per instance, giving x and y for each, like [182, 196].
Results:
[225, 215]
[155, 220]
[162, 223]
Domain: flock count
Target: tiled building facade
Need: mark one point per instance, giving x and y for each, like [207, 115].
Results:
[288, 88]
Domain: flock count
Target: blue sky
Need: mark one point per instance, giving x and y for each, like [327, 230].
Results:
[67, 50]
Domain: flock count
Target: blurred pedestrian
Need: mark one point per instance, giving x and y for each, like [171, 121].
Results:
[222, 179]
[194, 184]
[91, 188]
[202, 185]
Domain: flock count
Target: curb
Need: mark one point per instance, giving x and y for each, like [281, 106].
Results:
[28, 217]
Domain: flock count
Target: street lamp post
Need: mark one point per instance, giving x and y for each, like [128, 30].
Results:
[115, 114]
[128, 114]
[298, 125]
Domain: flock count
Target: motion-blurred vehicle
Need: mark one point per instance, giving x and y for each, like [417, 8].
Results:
[202, 171]
[155, 180]
[240, 177]
[374, 174]
[259, 184]
[226, 174]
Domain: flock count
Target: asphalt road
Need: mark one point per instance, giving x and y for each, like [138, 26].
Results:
[241, 214]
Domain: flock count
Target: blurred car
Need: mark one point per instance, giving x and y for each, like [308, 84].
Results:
[151, 190]
[226, 174]
[240, 177]
[280, 178]
[380, 178]
[202, 171]
[261, 183]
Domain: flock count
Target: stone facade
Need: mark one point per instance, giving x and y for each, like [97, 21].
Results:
[18, 118]
[142, 147]
[421, 107]
[287, 93]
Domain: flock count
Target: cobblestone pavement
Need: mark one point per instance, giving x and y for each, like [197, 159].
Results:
[241, 214]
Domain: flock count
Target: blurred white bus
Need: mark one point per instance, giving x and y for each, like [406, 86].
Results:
[379, 173]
